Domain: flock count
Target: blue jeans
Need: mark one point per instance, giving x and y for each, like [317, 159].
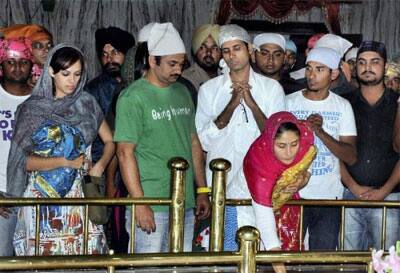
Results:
[231, 228]
[158, 241]
[363, 225]
[7, 229]
[323, 225]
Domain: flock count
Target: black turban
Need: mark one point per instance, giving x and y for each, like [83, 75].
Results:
[118, 38]
[375, 46]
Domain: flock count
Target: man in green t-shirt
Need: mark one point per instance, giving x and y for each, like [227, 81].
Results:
[155, 122]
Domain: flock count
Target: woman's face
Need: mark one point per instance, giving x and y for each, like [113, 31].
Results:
[65, 81]
[286, 146]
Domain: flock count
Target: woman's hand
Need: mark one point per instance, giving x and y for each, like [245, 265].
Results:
[76, 163]
[301, 180]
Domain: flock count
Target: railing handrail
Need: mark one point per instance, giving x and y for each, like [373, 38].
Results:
[167, 201]
[84, 201]
[324, 202]
[179, 259]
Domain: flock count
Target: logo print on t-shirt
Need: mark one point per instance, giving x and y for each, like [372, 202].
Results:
[169, 113]
[6, 124]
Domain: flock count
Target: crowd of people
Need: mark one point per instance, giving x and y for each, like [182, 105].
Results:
[330, 130]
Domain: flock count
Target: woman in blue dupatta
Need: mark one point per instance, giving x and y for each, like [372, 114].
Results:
[53, 134]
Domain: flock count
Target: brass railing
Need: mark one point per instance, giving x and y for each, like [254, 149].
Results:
[220, 167]
[246, 258]
[178, 168]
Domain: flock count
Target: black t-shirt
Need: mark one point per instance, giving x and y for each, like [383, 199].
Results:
[376, 157]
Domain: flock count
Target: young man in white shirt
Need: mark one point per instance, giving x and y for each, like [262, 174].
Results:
[16, 64]
[331, 119]
[231, 112]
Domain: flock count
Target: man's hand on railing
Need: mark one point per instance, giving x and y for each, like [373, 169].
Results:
[4, 212]
[203, 206]
[375, 195]
[145, 218]
[359, 191]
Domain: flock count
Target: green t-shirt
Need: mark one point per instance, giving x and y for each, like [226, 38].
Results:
[160, 122]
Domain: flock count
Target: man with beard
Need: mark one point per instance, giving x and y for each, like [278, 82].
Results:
[112, 45]
[269, 57]
[15, 63]
[376, 175]
[207, 55]
[290, 56]
[155, 122]
[41, 42]
[331, 119]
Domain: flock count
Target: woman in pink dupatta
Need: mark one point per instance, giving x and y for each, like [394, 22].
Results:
[279, 158]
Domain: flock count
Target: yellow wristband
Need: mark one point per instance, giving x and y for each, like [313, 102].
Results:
[203, 190]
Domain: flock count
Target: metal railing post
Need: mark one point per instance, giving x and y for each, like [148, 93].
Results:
[248, 238]
[178, 167]
[111, 269]
[219, 167]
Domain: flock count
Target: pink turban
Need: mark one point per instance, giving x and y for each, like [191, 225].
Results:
[15, 48]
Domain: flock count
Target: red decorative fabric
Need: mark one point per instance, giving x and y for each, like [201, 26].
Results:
[279, 9]
[288, 226]
[224, 12]
[332, 17]
[261, 168]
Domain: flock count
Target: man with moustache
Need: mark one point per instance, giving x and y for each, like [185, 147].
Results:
[206, 55]
[290, 56]
[376, 175]
[269, 57]
[112, 43]
[155, 122]
[41, 42]
[331, 119]
[231, 113]
[16, 61]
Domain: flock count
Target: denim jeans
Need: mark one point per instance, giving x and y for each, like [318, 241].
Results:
[158, 241]
[230, 229]
[7, 229]
[323, 225]
[363, 225]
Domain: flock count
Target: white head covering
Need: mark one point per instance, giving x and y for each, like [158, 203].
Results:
[335, 42]
[164, 40]
[144, 32]
[232, 32]
[269, 38]
[352, 54]
[324, 55]
[290, 45]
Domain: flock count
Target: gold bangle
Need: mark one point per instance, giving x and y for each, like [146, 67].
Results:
[203, 190]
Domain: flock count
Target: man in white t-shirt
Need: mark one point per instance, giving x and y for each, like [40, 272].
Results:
[15, 65]
[230, 115]
[331, 119]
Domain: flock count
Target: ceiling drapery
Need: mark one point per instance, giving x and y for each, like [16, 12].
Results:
[278, 10]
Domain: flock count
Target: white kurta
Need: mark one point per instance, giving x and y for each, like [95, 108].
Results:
[233, 141]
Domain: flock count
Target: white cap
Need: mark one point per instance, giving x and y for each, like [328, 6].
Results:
[335, 42]
[269, 38]
[351, 54]
[164, 40]
[324, 55]
[232, 32]
[144, 32]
